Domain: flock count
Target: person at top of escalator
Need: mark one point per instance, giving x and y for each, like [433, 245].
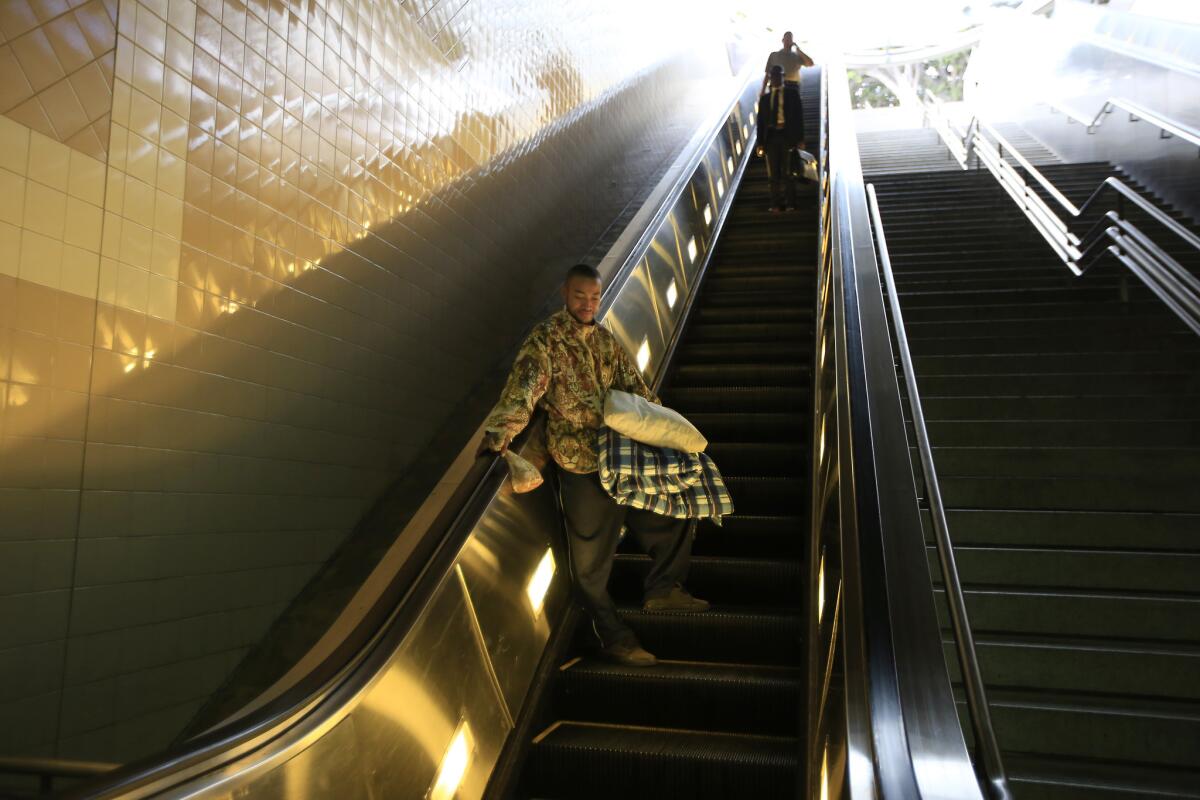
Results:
[566, 366]
[791, 58]
[780, 133]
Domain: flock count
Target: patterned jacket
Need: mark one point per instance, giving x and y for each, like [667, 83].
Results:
[566, 368]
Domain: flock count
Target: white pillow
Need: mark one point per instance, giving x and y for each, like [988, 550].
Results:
[651, 424]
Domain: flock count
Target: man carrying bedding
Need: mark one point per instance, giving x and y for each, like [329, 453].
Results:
[566, 366]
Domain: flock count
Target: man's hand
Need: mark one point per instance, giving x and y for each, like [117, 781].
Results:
[485, 447]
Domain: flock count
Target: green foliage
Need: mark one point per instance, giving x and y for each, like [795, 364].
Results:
[866, 92]
[943, 77]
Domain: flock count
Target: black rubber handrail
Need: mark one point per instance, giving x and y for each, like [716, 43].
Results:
[915, 746]
[986, 744]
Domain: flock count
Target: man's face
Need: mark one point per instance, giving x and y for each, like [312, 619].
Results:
[787, 40]
[582, 297]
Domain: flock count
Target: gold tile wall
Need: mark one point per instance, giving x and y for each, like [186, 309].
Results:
[251, 256]
[57, 63]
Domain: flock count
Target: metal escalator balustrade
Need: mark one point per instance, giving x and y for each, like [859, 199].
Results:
[990, 762]
[882, 718]
[1062, 419]
[420, 697]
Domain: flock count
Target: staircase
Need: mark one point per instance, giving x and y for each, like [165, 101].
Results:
[720, 716]
[1065, 418]
[921, 150]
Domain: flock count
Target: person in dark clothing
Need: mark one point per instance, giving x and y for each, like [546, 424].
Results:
[780, 131]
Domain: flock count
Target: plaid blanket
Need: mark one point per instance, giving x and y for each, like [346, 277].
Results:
[667, 482]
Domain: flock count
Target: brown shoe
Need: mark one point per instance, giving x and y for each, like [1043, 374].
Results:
[629, 654]
[678, 599]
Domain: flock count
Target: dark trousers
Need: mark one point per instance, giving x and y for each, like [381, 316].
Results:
[594, 523]
[779, 155]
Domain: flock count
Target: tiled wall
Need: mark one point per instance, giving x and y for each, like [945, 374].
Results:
[251, 255]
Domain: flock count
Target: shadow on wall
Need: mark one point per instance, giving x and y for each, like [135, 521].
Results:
[229, 453]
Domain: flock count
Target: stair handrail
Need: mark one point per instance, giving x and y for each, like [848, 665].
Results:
[987, 746]
[1167, 126]
[1164, 276]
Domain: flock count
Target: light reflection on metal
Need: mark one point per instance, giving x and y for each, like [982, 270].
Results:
[821, 589]
[691, 249]
[539, 583]
[729, 163]
[720, 187]
[672, 295]
[707, 214]
[738, 147]
[821, 445]
[745, 130]
[825, 773]
[454, 764]
[643, 355]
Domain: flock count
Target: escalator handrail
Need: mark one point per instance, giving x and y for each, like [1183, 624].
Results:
[918, 745]
[1164, 276]
[987, 745]
[342, 674]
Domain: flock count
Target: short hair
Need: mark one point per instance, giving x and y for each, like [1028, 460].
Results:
[582, 271]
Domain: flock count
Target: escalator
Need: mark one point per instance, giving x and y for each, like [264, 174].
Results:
[721, 715]
[1064, 414]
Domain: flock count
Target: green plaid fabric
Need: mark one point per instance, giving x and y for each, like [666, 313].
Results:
[668, 482]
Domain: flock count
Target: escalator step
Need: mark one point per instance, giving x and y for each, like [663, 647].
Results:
[756, 534]
[735, 698]
[751, 426]
[721, 580]
[733, 373]
[755, 299]
[601, 762]
[744, 353]
[724, 634]
[776, 313]
[750, 332]
[729, 399]
[769, 495]
[775, 458]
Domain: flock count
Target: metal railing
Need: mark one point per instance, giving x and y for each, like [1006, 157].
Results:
[986, 745]
[1114, 234]
[882, 719]
[1167, 127]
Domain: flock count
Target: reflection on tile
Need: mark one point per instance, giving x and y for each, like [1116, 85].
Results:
[54, 71]
[233, 232]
